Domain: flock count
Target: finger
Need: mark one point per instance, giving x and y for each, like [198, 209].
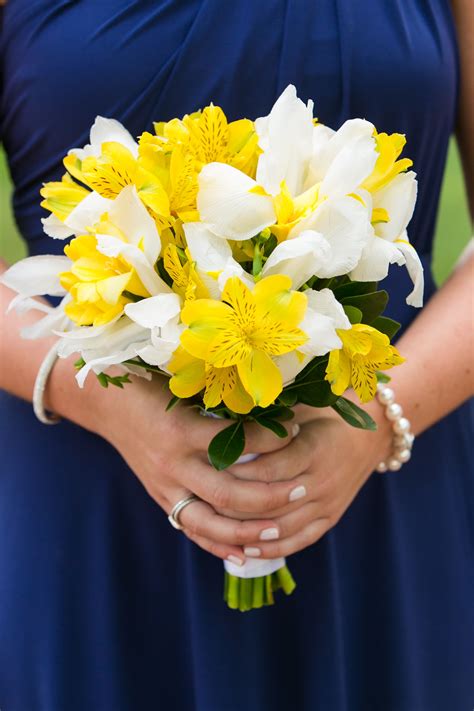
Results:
[220, 550]
[259, 440]
[201, 520]
[224, 491]
[277, 549]
[281, 465]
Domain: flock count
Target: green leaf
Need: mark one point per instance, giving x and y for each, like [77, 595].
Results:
[227, 446]
[102, 378]
[353, 313]
[382, 377]
[274, 412]
[371, 305]
[353, 414]
[79, 363]
[316, 393]
[276, 427]
[288, 398]
[386, 325]
[316, 369]
[354, 288]
[172, 403]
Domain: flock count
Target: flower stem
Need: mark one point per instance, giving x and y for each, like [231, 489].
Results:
[246, 594]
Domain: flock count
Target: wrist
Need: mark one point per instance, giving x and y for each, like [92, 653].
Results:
[63, 396]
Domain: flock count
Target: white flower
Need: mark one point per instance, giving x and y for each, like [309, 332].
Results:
[323, 316]
[388, 242]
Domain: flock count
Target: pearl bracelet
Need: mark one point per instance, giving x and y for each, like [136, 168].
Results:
[403, 438]
[40, 386]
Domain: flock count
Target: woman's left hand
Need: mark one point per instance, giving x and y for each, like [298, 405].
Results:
[330, 461]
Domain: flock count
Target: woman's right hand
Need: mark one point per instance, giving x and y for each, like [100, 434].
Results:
[168, 453]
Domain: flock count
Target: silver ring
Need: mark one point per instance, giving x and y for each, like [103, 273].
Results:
[173, 518]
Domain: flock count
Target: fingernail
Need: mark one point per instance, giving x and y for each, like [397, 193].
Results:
[253, 552]
[295, 429]
[297, 493]
[236, 561]
[269, 534]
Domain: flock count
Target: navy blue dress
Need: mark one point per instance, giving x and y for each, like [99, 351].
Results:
[103, 606]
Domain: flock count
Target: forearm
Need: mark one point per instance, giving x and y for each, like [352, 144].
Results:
[20, 360]
[439, 350]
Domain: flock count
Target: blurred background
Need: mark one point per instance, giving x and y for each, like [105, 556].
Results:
[452, 234]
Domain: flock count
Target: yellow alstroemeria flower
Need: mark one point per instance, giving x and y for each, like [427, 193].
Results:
[209, 137]
[191, 375]
[97, 282]
[61, 197]
[115, 168]
[245, 330]
[182, 147]
[364, 351]
[290, 211]
[186, 281]
[389, 147]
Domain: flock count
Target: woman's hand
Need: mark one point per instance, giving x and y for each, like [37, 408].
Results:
[168, 453]
[328, 463]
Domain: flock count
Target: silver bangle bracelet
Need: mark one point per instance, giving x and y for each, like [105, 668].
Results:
[40, 386]
[403, 438]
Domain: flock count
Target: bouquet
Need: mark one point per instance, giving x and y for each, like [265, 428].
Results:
[240, 260]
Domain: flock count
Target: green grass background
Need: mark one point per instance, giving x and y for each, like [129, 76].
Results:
[452, 234]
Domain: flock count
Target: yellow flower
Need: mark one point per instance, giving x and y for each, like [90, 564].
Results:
[97, 282]
[387, 166]
[191, 375]
[186, 281]
[245, 330]
[62, 197]
[181, 148]
[364, 351]
[289, 211]
[115, 168]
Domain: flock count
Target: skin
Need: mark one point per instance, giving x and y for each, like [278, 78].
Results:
[331, 460]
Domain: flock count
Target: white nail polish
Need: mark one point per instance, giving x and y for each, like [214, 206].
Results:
[269, 534]
[253, 552]
[297, 493]
[236, 561]
[295, 429]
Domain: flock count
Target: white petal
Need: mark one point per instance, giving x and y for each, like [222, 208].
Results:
[46, 326]
[21, 304]
[225, 202]
[286, 137]
[398, 198]
[321, 332]
[415, 270]
[326, 147]
[131, 216]
[345, 224]
[289, 365]
[375, 260]
[210, 252]
[350, 167]
[53, 227]
[35, 276]
[299, 258]
[155, 311]
[87, 213]
[232, 269]
[325, 303]
[101, 340]
[105, 130]
[100, 363]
